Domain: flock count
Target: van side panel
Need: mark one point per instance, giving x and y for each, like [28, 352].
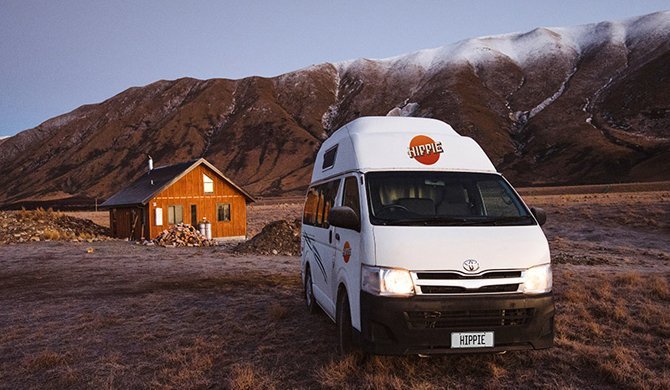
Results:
[349, 244]
[317, 239]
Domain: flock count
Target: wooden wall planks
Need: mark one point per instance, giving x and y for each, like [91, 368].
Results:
[188, 191]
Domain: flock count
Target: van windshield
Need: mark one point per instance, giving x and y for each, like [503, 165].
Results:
[443, 199]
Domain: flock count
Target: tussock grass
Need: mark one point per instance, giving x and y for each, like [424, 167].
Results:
[45, 360]
[38, 214]
[51, 234]
[247, 377]
[631, 278]
[187, 366]
[277, 311]
[659, 287]
[336, 373]
[622, 364]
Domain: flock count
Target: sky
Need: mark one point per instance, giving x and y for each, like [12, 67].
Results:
[58, 55]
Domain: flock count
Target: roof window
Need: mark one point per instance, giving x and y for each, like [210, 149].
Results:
[329, 158]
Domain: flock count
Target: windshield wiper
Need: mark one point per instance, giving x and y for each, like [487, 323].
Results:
[503, 221]
[432, 221]
[456, 221]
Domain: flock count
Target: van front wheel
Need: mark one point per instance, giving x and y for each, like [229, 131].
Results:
[343, 320]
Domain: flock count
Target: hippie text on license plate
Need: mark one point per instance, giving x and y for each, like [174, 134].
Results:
[471, 339]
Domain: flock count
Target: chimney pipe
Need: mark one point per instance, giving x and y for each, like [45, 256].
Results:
[151, 164]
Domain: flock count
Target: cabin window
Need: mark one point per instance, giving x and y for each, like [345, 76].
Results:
[329, 158]
[159, 216]
[208, 184]
[175, 214]
[223, 212]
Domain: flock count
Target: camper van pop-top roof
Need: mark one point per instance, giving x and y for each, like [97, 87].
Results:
[393, 143]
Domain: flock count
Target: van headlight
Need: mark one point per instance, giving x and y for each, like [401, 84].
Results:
[387, 281]
[537, 280]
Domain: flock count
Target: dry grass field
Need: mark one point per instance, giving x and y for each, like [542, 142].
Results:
[130, 316]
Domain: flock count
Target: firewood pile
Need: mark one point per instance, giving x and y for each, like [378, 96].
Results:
[47, 225]
[277, 238]
[182, 234]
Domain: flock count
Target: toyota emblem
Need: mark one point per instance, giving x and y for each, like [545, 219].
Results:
[471, 265]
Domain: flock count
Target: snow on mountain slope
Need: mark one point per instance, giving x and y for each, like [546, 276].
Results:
[524, 47]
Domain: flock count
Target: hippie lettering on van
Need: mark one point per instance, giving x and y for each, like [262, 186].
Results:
[425, 150]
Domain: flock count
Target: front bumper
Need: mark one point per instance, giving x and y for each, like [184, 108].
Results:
[423, 324]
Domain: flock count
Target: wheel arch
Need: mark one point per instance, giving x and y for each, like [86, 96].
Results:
[342, 286]
[343, 289]
[347, 280]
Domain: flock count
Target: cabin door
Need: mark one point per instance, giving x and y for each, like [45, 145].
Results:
[194, 215]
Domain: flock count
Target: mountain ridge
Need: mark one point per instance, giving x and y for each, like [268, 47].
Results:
[560, 105]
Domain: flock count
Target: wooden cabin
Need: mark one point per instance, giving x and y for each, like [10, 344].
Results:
[187, 192]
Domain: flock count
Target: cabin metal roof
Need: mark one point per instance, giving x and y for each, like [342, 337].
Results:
[152, 183]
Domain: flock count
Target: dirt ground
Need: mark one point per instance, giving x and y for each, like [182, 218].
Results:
[130, 316]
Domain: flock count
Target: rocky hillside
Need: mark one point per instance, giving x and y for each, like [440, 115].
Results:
[569, 105]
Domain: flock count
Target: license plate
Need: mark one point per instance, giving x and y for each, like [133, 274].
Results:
[471, 339]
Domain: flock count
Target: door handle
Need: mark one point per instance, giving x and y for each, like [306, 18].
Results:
[330, 237]
[337, 236]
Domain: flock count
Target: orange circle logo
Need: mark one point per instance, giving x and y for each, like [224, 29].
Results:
[346, 252]
[424, 150]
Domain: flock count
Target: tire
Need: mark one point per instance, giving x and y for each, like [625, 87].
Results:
[310, 301]
[345, 343]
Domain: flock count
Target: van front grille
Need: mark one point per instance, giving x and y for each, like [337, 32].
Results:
[463, 290]
[456, 275]
[454, 282]
[468, 319]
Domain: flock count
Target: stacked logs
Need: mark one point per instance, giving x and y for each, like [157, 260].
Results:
[182, 235]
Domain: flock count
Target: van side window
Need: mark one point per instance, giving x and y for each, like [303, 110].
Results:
[329, 191]
[319, 208]
[309, 215]
[350, 198]
[320, 200]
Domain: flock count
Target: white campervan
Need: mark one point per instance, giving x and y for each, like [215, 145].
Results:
[413, 243]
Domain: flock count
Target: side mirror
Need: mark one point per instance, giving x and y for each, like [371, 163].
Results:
[344, 217]
[539, 214]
